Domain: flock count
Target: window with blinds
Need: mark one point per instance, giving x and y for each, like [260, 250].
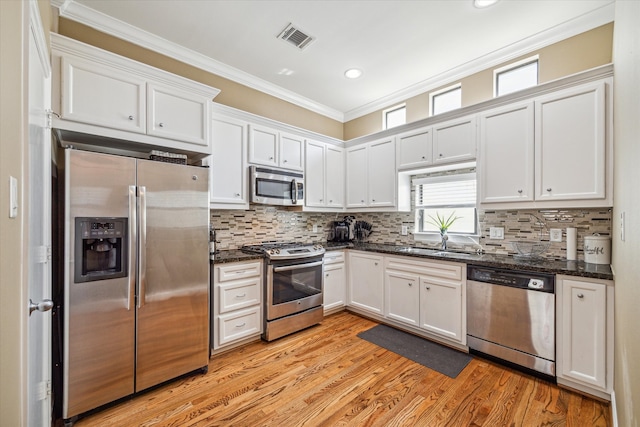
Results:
[445, 196]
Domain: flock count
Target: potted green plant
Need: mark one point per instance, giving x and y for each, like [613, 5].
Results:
[443, 225]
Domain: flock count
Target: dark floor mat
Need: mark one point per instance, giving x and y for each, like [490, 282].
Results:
[440, 358]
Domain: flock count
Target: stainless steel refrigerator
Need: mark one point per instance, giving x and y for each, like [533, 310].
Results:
[136, 276]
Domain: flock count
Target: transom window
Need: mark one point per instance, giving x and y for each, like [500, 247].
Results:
[517, 76]
[394, 116]
[447, 196]
[447, 99]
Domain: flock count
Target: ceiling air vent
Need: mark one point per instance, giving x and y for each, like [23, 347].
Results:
[296, 37]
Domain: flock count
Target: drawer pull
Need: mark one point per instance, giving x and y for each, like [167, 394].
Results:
[580, 296]
[241, 325]
[240, 272]
[427, 288]
[241, 296]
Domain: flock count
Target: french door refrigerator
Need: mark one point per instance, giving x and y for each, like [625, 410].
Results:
[136, 276]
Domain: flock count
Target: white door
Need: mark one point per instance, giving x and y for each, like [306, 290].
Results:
[39, 258]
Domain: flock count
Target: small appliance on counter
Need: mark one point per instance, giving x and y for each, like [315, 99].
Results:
[343, 231]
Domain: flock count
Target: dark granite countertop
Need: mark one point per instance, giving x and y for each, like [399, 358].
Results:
[570, 268]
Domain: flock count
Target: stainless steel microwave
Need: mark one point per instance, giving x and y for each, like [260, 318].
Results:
[276, 186]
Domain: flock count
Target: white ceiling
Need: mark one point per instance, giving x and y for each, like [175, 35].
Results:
[403, 47]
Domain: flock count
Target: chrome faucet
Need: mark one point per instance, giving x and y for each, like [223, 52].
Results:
[444, 241]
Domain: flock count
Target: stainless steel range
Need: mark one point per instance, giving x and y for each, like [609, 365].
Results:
[293, 287]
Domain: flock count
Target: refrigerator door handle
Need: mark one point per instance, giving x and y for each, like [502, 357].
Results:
[131, 273]
[142, 244]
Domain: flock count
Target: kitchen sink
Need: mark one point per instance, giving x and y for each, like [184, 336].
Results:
[436, 252]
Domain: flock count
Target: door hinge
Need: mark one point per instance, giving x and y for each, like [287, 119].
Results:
[50, 114]
[43, 390]
[41, 254]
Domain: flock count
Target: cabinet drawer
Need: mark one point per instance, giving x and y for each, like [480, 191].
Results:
[445, 270]
[239, 294]
[333, 257]
[238, 271]
[237, 325]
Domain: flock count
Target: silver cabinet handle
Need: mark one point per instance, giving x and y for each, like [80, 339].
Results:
[130, 117]
[520, 191]
[428, 288]
[440, 155]
[237, 194]
[161, 124]
[241, 296]
[424, 157]
[410, 284]
[326, 275]
[330, 201]
[549, 189]
[270, 158]
[284, 161]
[44, 305]
[375, 263]
[362, 201]
[241, 325]
[580, 296]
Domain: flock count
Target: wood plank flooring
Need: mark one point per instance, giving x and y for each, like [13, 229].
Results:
[327, 376]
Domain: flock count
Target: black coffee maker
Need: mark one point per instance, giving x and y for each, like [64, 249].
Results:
[342, 231]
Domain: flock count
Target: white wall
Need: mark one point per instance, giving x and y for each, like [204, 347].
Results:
[626, 58]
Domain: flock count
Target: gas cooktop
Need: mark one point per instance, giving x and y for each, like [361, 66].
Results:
[286, 250]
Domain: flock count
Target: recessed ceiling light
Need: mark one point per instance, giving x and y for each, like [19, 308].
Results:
[483, 3]
[353, 73]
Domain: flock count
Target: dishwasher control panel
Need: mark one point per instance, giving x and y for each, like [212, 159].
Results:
[522, 279]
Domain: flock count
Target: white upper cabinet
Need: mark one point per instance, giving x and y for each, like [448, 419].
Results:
[414, 148]
[228, 171]
[102, 96]
[178, 114]
[324, 175]
[99, 93]
[371, 174]
[505, 165]
[270, 147]
[454, 140]
[553, 151]
[570, 140]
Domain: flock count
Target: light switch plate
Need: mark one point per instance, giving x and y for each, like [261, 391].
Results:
[315, 228]
[555, 235]
[404, 231]
[496, 233]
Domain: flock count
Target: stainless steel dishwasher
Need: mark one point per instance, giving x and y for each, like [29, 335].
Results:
[511, 316]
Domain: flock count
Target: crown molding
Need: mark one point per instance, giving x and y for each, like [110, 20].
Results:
[586, 22]
[114, 27]
[87, 16]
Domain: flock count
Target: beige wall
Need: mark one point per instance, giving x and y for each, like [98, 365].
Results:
[14, 19]
[627, 199]
[582, 52]
[232, 94]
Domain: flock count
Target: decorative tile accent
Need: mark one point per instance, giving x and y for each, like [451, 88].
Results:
[264, 223]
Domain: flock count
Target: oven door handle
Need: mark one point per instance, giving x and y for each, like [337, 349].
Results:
[297, 266]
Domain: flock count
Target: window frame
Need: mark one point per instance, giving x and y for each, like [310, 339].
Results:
[513, 66]
[445, 90]
[419, 209]
[386, 112]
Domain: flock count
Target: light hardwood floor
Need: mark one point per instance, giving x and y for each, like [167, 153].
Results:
[327, 376]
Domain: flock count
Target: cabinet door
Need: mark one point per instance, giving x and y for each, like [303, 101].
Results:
[415, 148]
[357, 180]
[403, 297]
[366, 282]
[103, 96]
[441, 308]
[291, 151]
[505, 164]
[584, 325]
[335, 286]
[314, 178]
[334, 176]
[227, 165]
[263, 145]
[382, 173]
[570, 144]
[454, 140]
[178, 115]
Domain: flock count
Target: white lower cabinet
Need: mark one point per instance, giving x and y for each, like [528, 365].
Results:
[427, 294]
[335, 281]
[441, 306]
[585, 334]
[366, 282]
[237, 302]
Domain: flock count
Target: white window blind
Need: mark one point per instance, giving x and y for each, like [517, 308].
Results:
[446, 191]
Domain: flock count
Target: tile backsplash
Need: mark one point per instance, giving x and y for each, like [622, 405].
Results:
[235, 228]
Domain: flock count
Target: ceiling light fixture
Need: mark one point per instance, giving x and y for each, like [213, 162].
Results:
[353, 73]
[483, 3]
